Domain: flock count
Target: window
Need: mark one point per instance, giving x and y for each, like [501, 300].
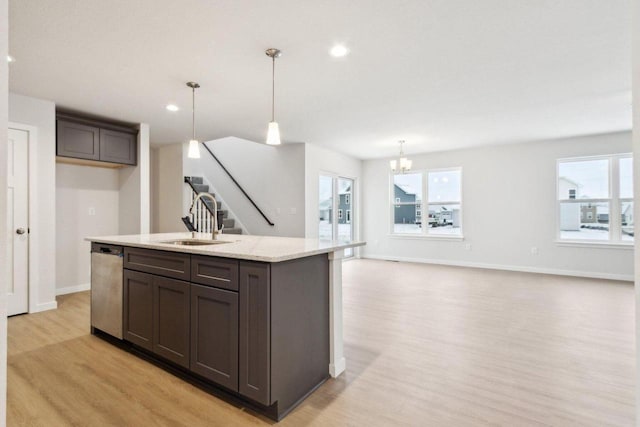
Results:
[348, 216]
[595, 198]
[441, 189]
[347, 199]
[339, 213]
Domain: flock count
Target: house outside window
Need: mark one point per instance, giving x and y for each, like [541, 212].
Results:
[595, 199]
[437, 192]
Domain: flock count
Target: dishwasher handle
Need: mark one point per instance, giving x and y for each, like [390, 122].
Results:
[106, 249]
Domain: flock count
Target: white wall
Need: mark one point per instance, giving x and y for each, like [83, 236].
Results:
[4, 273]
[80, 189]
[320, 160]
[135, 190]
[274, 177]
[168, 189]
[509, 206]
[41, 114]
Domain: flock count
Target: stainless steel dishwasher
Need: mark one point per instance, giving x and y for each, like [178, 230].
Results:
[106, 288]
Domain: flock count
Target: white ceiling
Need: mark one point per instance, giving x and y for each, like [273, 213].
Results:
[442, 74]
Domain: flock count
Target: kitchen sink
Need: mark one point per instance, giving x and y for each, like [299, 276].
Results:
[195, 242]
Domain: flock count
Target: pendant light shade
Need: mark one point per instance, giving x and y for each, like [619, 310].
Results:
[273, 133]
[194, 149]
[402, 164]
[194, 145]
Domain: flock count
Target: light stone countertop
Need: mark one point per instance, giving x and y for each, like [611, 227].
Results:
[248, 247]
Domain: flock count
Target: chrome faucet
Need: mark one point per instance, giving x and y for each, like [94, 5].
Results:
[215, 211]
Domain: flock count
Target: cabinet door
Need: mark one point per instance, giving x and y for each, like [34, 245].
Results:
[78, 141]
[254, 333]
[214, 335]
[171, 319]
[138, 308]
[117, 147]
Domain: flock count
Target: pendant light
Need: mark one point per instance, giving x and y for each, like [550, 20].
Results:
[273, 133]
[402, 163]
[194, 146]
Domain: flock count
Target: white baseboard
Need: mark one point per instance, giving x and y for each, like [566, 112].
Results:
[335, 369]
[51, 305]
[73, 289]
[556, 272]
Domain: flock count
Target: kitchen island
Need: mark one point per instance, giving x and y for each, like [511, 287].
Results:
[257, 317]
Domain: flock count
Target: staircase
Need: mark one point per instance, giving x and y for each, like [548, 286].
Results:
[198, 186]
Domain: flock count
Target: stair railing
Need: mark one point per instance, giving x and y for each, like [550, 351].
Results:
[239, 186]
[202, 216]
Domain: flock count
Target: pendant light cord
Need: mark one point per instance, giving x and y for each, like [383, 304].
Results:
[193, 112]
[273, 90]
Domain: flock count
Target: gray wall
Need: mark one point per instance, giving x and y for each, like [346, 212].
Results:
[518, 181]
[274, 177]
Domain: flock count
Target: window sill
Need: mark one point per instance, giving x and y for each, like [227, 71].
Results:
[426, 237]
[593, 244]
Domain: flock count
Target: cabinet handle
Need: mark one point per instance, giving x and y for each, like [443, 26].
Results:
[20, 231]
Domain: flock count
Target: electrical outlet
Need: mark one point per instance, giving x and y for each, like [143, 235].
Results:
[92, 211]
[467, 247]
[534, 250]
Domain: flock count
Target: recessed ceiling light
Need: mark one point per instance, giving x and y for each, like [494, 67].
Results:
[10, 58]
[172, 107]
[338, 51]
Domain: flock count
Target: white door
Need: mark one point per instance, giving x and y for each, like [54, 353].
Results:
[18, 215]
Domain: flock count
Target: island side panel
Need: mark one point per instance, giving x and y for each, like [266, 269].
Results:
[299, 328]
[338, 363]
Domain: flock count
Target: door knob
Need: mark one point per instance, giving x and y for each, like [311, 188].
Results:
[21, 231]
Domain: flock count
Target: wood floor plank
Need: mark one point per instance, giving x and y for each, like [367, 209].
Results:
[425, 345]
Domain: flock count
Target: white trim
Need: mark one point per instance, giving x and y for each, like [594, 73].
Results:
[51, 305]
[337, 362]
[523, 269]
[424, 203]
[420, 236]
[594, 244]
[614, 202]
[33, 215]
[73, 289]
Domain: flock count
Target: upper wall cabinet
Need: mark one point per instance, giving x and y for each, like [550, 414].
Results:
[90, 141]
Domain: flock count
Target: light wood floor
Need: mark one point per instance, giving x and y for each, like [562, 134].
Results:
[425, 346]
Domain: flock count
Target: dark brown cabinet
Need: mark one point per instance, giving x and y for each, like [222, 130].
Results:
[88, 139]
[117, 147]
[255, 331]
[156, 315]
[214, 335]
[163, 263]
[138, 308]
[78, 140]
[260, 330]
[171, 307]
[213, 271]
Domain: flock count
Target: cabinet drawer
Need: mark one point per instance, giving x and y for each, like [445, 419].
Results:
[163, 263]
[212, 271]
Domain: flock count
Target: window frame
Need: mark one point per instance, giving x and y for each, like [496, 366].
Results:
[614, 200]
[424, 205]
